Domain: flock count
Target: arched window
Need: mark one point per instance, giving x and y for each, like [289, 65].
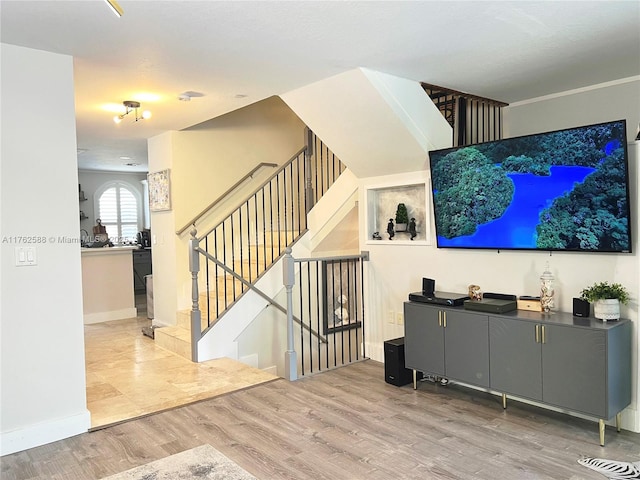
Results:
[119, 209]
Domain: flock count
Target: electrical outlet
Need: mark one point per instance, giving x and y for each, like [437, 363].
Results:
[399, 318]
[390, 317]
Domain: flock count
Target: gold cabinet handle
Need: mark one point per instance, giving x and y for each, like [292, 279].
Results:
[444, 322]
[439, 318]
[537, 333]
[544, 336]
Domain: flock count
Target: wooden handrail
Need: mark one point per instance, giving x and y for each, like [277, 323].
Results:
[219, 199]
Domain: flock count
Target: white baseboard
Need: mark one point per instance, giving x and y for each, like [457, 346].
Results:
[273, 370]
[42, 433]
[630, 420]
[251, 360]
[112, 315]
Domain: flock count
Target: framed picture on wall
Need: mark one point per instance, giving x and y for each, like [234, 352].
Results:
[340, 283]
[159, 191]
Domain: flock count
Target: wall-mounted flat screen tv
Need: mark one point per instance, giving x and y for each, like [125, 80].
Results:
[566, 190]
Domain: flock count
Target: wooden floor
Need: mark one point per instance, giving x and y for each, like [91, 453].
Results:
[344, 424]
[129, 376]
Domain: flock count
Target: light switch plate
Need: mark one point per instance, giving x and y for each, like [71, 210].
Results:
[26, 256]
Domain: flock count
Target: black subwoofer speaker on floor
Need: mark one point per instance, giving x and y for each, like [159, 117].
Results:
[395, 372]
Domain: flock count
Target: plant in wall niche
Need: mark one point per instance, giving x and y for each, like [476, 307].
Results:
[606, 298]
[402, 218]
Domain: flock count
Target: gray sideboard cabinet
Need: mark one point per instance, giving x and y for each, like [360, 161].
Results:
[447, 342]
[578, 364]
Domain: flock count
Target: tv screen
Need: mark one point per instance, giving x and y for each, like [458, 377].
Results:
[566, 190]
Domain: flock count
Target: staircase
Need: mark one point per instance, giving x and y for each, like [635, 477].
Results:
[241, 248]
[227, 290]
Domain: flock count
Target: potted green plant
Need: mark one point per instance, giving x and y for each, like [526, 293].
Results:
[402, 218]
[606, 298]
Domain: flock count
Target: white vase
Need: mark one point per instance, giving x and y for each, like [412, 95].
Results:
[607, 309]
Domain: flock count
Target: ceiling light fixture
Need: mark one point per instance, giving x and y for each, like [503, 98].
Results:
[115, 8]
[131, 106]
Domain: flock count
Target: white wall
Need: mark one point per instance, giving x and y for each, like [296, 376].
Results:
[598, 103]
[376, 123]
[585, 106]
[205, 161]
[42, 336]
[395, 270]
[163, 238]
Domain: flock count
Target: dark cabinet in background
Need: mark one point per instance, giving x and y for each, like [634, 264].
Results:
[141, 268]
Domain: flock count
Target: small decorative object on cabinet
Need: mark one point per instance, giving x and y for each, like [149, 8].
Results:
[606, 299]
[402, 218]
[474, 292]
[546, 290]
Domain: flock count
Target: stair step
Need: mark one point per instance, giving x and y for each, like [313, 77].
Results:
[183, 320]
[271, 238]
[218, 295]
[175, 339]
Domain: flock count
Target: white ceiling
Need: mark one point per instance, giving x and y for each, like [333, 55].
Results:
[240, 52]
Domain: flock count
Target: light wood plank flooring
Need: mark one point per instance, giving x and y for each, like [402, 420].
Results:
[129, 376]
[344, 424]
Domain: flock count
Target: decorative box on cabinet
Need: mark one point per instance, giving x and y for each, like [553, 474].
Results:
[579, 364]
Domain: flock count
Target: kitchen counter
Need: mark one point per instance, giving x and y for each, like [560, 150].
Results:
[107, 283]
[108, 250]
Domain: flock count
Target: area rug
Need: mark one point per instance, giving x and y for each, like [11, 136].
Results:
[612, 469]
[200, 463]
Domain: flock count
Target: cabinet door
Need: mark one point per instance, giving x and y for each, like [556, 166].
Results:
[423, 339]
[516, 357]
[141, 268]
[574, 372]
[466, 347]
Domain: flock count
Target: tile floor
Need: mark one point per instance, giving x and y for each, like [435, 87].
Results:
[128, 376]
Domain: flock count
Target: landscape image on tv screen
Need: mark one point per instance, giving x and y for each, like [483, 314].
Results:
[562, 190]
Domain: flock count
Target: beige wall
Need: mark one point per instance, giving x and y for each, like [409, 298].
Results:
[205, 161]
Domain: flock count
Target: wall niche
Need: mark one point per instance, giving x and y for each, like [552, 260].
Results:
[382, 203]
